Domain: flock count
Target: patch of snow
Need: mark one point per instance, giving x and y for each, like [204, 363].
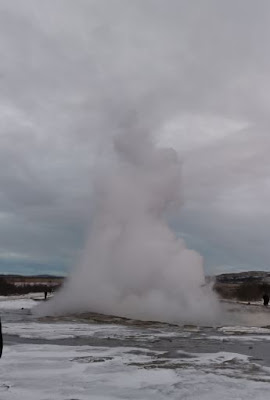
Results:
[46, 372]
[244, 330]
[241, 338]
[51, 331]
[217, 358]
[17, 304]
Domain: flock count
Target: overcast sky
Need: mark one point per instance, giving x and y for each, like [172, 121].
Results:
[197, 73]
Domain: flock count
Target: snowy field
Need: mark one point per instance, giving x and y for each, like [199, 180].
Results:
[70, 360]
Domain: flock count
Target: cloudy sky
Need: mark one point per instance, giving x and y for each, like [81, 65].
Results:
[196, 73]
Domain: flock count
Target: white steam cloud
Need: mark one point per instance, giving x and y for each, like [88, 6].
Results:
[133, 264]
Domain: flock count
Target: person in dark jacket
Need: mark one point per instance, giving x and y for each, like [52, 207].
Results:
[265, 299]
[1, 339]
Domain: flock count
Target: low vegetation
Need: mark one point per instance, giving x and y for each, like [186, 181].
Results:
[227, 287]
[242, 291]
[9, 288]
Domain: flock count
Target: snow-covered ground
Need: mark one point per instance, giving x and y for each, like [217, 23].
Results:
[76, 330]
[26, 301]
[44, 370]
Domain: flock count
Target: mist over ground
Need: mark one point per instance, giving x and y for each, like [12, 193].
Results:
[134, 265]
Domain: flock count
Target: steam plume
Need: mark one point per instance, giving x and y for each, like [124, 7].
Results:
[133, 264]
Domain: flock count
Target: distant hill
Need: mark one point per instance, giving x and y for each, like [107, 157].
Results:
[246, 286]
[17, 284]
[244, 277]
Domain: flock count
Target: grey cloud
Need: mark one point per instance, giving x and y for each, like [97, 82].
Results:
[68, 69]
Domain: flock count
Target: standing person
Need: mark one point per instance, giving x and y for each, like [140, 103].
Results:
[1, 339]
[265, 299]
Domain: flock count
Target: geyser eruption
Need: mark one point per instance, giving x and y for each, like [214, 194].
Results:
[133, 264]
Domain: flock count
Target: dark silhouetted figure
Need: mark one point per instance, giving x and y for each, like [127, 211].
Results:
[265, 299]
[1, 339]
[45, 295]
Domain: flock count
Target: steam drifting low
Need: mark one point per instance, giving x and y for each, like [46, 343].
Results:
[133, 264]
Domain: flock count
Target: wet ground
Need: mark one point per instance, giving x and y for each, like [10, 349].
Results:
[103, 344]
[251, 341]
